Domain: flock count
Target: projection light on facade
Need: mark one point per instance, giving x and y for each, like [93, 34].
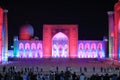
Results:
[59, 42]
[29, 49]
[60, 46]
[91, 49]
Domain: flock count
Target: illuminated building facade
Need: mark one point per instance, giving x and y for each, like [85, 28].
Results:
[59, 41]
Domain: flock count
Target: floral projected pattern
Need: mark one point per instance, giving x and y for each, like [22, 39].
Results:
[29, 49]
[91, 49]
[60, 47]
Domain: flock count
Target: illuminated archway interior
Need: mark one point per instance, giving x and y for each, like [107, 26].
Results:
[60, 45]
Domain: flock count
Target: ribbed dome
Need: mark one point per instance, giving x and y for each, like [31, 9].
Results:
[26, 31]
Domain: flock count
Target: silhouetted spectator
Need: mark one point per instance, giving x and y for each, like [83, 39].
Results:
[4, 68]
[80, 69]
[101, 69]
[1, 76]
[106, 77]
[82, 76]
[93, 69]
[74, 76]
[85, 69]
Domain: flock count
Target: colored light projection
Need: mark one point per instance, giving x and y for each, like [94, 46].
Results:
[26, 32]
[111, 33]
[119, 39]
[60, 48]
[59, 42]
[60, 45]
[91, 49]
[67, 38]
[1, 23]
[5, 37]
[116, 52]
[29, 49]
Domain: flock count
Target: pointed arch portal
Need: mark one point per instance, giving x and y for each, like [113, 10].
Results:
[60, 45]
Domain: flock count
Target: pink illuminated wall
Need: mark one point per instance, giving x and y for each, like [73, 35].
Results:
[71, 31]
[91, 49]
[47, 41]
[1, 23]
[73, 37]
[116, 30]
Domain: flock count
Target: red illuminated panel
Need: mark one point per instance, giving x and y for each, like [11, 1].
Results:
[1, 22]
[24, 36]
[116, 23]
[0, 51]
[73, 41]
[47, 41]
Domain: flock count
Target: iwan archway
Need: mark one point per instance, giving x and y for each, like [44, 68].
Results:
[60, 41]
[60, 46]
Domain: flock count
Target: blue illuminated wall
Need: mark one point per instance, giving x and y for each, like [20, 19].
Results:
[91, 49]
[34, 49]
[28, 49]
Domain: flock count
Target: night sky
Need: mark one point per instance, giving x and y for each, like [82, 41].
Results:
[90, 15]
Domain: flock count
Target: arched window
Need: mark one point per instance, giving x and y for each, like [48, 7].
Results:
[39, 46]
[93, 46]
[21, 46]
[33, 46]
[99, 46]
[87, 46]
[81, 46]
[27, 46]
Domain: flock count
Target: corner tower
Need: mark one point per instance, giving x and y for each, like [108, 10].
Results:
[116, 53]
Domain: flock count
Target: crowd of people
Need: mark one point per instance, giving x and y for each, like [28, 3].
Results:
[31, 74]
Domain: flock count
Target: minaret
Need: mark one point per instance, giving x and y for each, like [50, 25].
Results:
[5, 37]
[111, 32]
[1, 23]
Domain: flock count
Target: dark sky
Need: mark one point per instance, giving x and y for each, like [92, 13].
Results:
[90, 15]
